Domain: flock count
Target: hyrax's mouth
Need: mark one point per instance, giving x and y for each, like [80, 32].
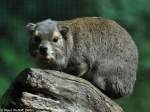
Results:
[47, 57]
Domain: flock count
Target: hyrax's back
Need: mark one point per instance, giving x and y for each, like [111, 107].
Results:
[103, 34]
[110, 52]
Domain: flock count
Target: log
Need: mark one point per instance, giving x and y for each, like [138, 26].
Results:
[55, 91]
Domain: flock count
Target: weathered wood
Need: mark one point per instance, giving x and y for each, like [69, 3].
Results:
[53, 91]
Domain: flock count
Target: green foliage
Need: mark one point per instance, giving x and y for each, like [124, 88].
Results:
[132, 15]
[4, 85]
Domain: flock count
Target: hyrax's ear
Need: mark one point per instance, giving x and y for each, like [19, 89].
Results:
[31, 27]
[63, 29]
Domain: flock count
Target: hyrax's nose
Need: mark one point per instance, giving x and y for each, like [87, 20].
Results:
[43, 50]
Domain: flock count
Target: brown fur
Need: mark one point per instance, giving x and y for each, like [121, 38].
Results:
[100, 51]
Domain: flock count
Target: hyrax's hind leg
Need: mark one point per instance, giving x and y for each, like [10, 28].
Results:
[114, 78]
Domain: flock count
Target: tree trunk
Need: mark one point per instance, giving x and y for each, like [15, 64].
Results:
[54, 91]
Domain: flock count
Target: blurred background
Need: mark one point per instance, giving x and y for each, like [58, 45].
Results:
[134, 16]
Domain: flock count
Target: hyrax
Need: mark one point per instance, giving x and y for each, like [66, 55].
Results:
[96, 49]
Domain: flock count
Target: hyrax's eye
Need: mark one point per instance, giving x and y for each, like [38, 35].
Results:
[37, 36]
[37, 39]
[55, 39]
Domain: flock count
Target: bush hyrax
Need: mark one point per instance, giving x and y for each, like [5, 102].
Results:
[94, 48]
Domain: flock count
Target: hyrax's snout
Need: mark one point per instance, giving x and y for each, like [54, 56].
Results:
[43, 50]
[46, 50]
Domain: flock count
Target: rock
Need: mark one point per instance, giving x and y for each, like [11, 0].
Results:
[54, 91]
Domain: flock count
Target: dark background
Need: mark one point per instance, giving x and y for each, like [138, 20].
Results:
[133, 15]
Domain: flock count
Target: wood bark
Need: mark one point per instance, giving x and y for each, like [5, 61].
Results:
[54, 91]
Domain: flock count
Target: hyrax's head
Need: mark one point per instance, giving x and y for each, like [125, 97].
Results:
[47, 43]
